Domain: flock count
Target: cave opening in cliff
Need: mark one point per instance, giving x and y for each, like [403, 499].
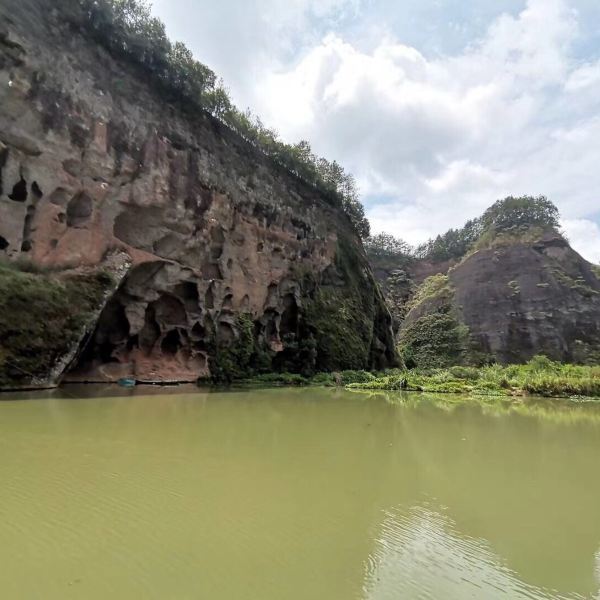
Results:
[209, 299]
[271, 325]
[150, 333]
[3, 243]
[289, 317]
[188, 292]
[36, 190]
[103, 345]
[79, 210]
[19, 191]
[171, 342]
[3, 159]
[27, 244]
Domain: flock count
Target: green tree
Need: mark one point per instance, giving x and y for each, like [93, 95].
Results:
[385, 245]
[513, 213]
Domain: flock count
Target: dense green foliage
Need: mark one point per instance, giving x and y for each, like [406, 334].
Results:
[335, 379]
[453, 244]
[241, 358]
[386, 246]
[509, 216]
[41, 316]
[539, 377]
[434, 340]
[128, 29]
[512, 216]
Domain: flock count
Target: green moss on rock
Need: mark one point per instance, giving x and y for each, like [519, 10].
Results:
[432, 335]
[342, 325]
[434, 340]
[233, 360]
[437, 287]
[349, 320]
[41, 317]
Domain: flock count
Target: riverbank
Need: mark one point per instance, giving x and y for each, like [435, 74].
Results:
[539, 377]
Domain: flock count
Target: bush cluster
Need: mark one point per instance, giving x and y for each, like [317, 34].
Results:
[539, 377]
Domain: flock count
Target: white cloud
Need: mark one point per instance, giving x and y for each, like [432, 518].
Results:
[243, 40]
[584, 236]
[444, 137]
[433, 139]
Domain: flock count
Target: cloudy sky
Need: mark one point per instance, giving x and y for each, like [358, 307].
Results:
[439, 107]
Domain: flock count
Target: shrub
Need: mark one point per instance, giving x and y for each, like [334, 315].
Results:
[434, 340]
[468, 373]
[540, 376]
[348, 377]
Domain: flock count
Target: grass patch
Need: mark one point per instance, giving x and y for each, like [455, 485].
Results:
[433, 287]
[336, 379]
[41, 317]
[539, 377]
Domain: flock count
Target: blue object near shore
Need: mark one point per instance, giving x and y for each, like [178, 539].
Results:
[126, 382]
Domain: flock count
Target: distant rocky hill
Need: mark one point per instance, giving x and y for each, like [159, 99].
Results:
[518, 290]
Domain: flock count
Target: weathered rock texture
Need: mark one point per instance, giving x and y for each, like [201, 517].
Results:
[94, 162]
[530, 298]
[506, 303]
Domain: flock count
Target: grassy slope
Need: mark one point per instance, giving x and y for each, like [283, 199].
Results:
[41, 316]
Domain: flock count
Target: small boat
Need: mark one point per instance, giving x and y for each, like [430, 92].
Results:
[127, 382]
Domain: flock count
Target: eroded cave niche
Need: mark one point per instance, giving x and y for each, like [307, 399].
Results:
[19, 192]
[153, 329]
[79, 210]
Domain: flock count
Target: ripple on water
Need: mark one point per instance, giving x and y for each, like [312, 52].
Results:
[419, 554]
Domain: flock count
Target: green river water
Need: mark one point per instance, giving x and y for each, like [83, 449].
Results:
[287, 494]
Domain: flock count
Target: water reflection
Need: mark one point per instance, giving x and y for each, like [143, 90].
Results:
[420, 554]
[296, 494]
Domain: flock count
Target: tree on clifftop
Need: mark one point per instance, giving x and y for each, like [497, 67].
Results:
[513, 213]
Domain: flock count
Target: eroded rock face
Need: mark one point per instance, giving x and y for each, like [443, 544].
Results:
[517, 300]
[93, 161]
[530, 298]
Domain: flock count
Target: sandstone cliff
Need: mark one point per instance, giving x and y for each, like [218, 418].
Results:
[505, 301]
[226, 262]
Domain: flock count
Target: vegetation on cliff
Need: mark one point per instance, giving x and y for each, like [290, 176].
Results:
[339, 325]
[128, 29]
[511, 217]
[434, 337]
[539, 377]
[41, 316]
[503, 288]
